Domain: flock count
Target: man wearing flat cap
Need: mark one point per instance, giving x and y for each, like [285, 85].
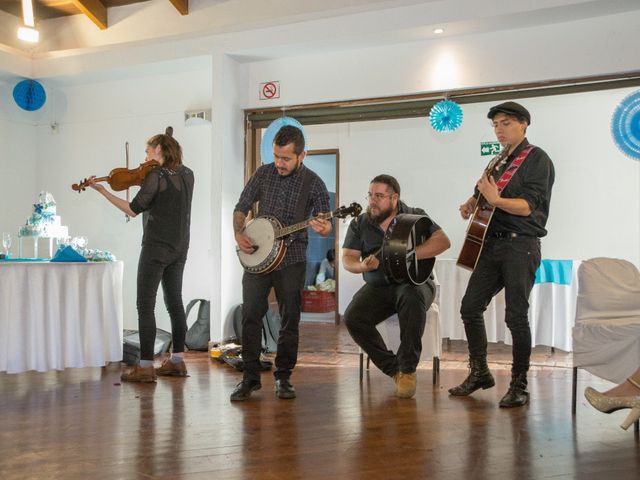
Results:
[518, 187]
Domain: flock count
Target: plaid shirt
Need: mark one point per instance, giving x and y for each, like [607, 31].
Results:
[278, 197]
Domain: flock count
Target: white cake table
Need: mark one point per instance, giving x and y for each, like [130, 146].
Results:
[60, 315]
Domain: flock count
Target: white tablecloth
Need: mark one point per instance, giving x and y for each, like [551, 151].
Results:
[552, 308]
[60, 315]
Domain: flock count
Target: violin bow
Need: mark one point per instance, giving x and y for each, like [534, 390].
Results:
[126, 152]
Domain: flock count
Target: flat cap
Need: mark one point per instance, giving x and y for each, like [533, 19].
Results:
[510, 108]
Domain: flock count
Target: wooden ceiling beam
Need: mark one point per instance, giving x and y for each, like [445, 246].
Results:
[95, 10]
[181, 5]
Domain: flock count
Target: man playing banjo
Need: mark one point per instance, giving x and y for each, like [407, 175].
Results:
[290, 192]
[379, 298]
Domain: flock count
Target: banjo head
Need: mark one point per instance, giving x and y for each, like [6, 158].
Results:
[262, 232]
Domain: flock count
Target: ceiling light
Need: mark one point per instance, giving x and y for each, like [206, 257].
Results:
[27, 13]
[438, 30]
[28, 34]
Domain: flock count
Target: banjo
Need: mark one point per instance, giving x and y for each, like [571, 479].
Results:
[268, 235]
[399, 256]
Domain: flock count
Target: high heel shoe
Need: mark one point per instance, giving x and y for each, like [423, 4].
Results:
[607, 404]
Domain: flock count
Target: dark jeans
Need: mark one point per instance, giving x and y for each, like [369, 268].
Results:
[288, 283]
[160, 264]
[372, 305]
[508, 263]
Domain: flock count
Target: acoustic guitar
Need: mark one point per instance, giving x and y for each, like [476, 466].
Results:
[479, 223]
[399, 255]
[268, 235]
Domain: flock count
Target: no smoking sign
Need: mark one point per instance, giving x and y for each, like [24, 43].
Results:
[269, 90]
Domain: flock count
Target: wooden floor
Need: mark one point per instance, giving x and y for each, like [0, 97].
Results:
[84, 424]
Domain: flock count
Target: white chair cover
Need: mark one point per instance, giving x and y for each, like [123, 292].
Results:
[606, 335]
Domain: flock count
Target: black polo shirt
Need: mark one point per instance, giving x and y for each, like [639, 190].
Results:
[532, 182]
[367, 237]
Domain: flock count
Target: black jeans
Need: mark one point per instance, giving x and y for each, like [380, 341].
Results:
[372, 305]
[508, 263]
[160, 264]
[288, 283]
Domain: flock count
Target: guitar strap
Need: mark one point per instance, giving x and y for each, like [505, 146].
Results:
[300, 211]
[513, 167]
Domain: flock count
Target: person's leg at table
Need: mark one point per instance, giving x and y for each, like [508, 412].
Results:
[172, 288]
[150, 269]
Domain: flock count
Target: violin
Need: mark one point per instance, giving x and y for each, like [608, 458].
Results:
[121, 178]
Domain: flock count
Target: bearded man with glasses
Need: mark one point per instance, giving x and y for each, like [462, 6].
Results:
[378, 299]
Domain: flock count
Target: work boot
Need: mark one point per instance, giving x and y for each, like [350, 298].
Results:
[517, 394]
[479, 377]
[139, 374]
[170, 369]
[405, 384]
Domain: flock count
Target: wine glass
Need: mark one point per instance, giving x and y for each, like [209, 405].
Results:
[6, 242]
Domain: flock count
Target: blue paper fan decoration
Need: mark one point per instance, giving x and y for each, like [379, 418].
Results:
[445, 116]
[29, 95]
[266, 147]
[625, 125]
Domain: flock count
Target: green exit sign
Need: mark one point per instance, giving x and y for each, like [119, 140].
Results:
[489, 148]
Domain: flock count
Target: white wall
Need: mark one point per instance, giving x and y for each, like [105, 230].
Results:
[563, 50]
[94, 120]
[595, 208]
[18, 162]
[227, 183]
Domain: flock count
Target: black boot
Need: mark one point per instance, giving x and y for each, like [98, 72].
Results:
[243, 390]
[517, 394]
[479, 377]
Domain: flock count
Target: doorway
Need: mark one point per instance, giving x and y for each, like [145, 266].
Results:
[321, 306]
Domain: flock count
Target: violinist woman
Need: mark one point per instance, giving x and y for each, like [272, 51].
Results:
[165, 201]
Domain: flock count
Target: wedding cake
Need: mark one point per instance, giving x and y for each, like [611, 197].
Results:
[43, 221]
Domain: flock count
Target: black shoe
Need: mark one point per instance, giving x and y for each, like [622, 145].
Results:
[284, 389]
[244, 388]
[479, 377]
[517, 394]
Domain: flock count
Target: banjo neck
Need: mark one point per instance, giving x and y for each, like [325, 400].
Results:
[283, 232]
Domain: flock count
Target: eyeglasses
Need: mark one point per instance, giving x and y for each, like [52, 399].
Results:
[376, 197]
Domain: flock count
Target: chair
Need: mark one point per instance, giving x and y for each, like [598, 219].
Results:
[431, 338]
[606, 335]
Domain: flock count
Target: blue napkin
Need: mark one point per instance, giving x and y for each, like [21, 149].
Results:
[555, 271]
[67, 254]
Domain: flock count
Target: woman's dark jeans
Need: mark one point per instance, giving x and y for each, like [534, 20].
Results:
[160, 264]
